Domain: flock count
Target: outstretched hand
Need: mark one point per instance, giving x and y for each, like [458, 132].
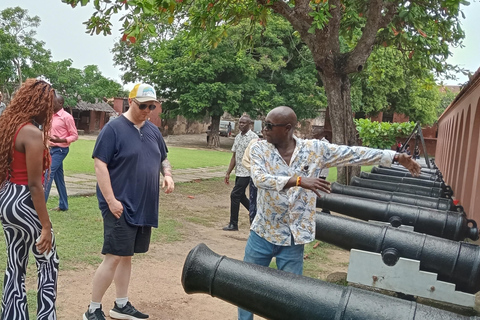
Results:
[412, 165]
[316, 185]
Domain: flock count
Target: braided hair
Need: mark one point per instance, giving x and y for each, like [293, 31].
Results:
[34, 98]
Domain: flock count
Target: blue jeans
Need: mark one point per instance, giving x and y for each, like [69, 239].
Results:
[56, 173]
[260, 251]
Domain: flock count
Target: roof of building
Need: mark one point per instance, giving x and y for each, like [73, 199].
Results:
[99, 106]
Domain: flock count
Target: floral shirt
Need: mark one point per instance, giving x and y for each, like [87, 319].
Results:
[283, 214]
[239, 146]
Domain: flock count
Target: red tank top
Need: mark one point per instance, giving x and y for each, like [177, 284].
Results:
[18, 166]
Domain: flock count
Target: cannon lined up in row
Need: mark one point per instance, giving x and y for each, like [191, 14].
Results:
[454, 262]
[398, 197]
[280, 295]
[445, 224]
[422, 170]
[411, 181]
[399, 187]
[406, 174]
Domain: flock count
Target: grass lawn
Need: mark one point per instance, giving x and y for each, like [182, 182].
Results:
[79, 159]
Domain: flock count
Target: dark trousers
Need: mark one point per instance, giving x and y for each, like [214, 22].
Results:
[238, 196]
[252, 212]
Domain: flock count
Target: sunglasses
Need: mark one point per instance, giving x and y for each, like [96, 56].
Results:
[269, 126]
[143, 106]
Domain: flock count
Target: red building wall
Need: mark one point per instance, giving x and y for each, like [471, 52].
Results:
[458, 148]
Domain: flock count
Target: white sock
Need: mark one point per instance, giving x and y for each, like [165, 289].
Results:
[121, 302]
[94, 306]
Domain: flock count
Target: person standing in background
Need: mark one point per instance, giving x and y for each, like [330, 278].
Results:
[2, 104]
[61, 135]
[242, 174]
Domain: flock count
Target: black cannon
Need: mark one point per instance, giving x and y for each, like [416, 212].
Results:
[406, 174]
[399, 187]
[406, 198]
[275, 294]
[411, 181]
[454, 262]
[422, 170]
[445, 224]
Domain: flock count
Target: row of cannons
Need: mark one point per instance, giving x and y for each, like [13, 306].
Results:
[411, 241]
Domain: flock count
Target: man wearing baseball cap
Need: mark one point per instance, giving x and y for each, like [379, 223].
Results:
[129, 156]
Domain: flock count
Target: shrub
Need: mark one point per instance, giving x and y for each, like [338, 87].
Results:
[382, 135]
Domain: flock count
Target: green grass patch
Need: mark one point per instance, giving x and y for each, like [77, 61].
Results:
[332, 173]
[79, 158]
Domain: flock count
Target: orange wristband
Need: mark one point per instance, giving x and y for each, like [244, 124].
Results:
[299, 181]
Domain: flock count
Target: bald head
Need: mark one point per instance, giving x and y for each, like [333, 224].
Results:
[284, 114]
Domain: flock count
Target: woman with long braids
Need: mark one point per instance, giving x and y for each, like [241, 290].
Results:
[23, 159]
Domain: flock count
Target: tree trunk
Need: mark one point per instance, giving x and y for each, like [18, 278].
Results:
[213, 138]
[344, 132]
[19, 72]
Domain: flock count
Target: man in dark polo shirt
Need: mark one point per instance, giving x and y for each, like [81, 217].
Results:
[129, 155]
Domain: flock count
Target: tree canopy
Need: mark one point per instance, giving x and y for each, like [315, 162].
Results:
[422, 31]
[22, 56]
[277, 69]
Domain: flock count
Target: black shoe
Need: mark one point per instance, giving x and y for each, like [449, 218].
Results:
[96, 315]
[128, 312]
[231, 227]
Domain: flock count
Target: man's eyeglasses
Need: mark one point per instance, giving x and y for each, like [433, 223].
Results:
[143, 106]
[269, 126]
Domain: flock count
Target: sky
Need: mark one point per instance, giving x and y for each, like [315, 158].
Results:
[64, 35]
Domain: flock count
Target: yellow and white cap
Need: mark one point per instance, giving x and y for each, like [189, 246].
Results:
[143, 92]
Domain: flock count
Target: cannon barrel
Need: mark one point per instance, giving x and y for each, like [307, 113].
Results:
[406, 174]
[445, 224]
[454, 262]
[402, 168]
[399, 187]
[279, 295]
[412, 199]
[411, 181]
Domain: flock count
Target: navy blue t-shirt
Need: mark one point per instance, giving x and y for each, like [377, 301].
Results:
[133, 157]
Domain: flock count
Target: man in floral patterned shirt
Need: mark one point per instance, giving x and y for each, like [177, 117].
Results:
[285, 170]
[242, 174]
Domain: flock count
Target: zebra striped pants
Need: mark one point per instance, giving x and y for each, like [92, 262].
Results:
[22, 227]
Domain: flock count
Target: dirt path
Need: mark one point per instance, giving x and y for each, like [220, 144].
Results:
[156, 279]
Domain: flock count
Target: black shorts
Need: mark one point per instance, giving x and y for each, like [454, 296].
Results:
[123, 239]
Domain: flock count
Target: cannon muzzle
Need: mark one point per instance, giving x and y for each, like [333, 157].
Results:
[279, 295]
[445, 224]
[454, 262]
